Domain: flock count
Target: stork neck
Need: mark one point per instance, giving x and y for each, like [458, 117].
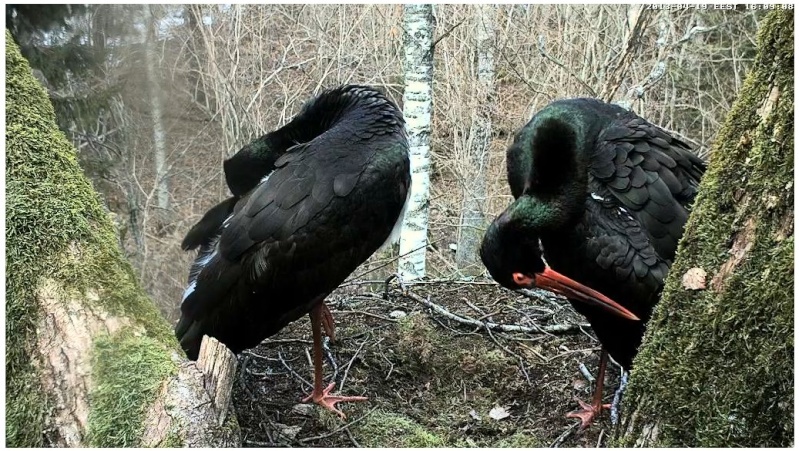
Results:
[556, 140]
[532, 215]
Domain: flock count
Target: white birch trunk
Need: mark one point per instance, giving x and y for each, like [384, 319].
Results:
[472, 219]
[156, 109]
[417, 109]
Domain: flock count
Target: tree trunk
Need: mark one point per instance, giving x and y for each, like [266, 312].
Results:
[89, 361]
[716, 365]
[472, 222]
[418, 110]
[156, 116]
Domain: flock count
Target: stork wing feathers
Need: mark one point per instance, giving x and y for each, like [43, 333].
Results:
[208, 227]
[651, 173]
[626, 250]
[319, 205]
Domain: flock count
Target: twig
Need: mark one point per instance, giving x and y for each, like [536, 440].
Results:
[363, 282]
[541, 295]
[543, 52]
[390, 278]
[446, 33]
[352, 439]
[555, 328]
[265, 374]
[538, 354]
[245, 362]
[453, 281]
[329, 355]
[318, 437]
[491, 334]
[521, 77]
[524, 371]
[286, 340]
[564, 436]
[482, 315]
[347, 370]
[390, 370]
[614, 407]
[586, 333]
[294, 373]
[308, 356]
[587, 374]
[572, 352]
[250, 353]
[391, 260]
[361, 312]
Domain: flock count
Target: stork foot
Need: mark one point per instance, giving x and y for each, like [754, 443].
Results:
[587, 412]
[328, 401]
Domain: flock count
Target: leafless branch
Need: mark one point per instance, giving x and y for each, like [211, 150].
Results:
[551, 329]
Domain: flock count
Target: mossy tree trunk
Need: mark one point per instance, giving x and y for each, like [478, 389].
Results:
[89, 360]
[716, 365]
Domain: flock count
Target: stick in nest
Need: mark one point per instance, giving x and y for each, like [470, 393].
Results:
[357, 420]
[293, 373]
[564, 436]
[552, 329]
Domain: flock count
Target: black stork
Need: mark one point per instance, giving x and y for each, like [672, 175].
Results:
[602, 195]
[311, 201]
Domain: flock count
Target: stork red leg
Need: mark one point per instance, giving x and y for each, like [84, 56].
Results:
[327, 322]
[319, 395]
[588, 412]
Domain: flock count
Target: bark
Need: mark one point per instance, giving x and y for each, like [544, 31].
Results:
[89, 360]
[716, 365]
[472, 222]
[417, 99]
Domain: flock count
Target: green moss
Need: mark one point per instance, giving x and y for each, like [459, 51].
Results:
[127, 372]
[56, 226]
[716, 368]
[461, 375]
[389, 430]
[417, 339]
[520, 440]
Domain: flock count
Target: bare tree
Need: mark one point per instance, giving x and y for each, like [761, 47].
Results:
[155, 93]
[418, 109]
[472, 216]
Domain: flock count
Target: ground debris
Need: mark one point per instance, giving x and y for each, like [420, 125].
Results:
[498, 413]
[431, 380]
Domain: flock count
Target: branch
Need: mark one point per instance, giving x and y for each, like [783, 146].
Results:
[690, 34]
[543, 52]
[553, 329]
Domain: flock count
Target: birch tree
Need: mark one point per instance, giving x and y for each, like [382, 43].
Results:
[474, 183]
[417, 99]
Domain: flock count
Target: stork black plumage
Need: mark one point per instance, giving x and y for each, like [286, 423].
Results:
[311, 201]
[604, 196]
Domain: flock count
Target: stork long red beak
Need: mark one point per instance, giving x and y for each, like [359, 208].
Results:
[560, 284]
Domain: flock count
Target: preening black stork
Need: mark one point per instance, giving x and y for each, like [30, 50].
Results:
[603, 195]
[311, 201]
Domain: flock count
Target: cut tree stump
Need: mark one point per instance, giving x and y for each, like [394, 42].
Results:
[218, 365]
